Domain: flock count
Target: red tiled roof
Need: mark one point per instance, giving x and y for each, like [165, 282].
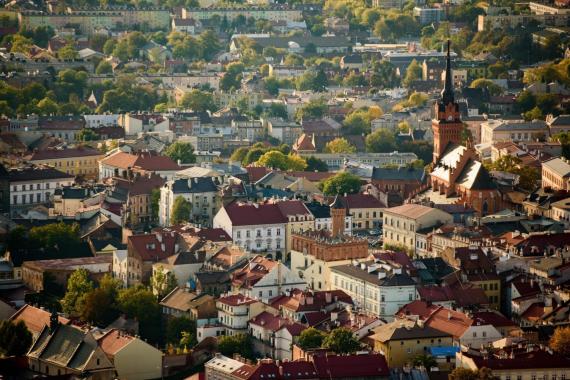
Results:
[534, 312]
[145, 161]
[526, 287]
[351, 366]
[150, 248]
[532, 360]
[304, 142]
[361, 201]
[114, 341]
[274, 323]
[236, 300]
[293, 207]
[493, 318]
[306, 301]
[140, 184]
[256, 172]
[214, 234]
[35, 319]
[252, 272]
[243, 214]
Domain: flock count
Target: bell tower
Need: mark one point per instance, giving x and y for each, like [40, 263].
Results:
[338, 213]
[446, 125]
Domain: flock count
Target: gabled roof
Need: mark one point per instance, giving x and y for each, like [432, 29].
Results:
[399, 174]
[150, 248]
[351, 366]
[114, 341]
[35, 318]
[243, 214]
[353, 201]
[411, 210]
[53, 154]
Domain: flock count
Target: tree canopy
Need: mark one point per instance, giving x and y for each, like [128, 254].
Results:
[15, 338]
[180, 210]
[181, 151]
[342, 341]
[340, 145]
[341, 183]
[311, 338]
[277, 160]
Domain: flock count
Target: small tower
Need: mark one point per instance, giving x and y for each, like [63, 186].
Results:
[338, 214]
[446, 125]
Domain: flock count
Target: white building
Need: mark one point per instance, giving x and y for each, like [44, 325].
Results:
[378, 287]
[103, 120]
[254, 227]
[234, 312]
[137, 123]
[201, 192]
[35, 185]
[120, 266]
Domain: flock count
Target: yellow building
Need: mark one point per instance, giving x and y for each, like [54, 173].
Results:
[366, 211]
[402, 340]
[74, 161]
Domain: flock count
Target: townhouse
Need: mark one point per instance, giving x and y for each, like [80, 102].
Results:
[121, 164]
[80, 161]
[256, 227]
[33, 185]
[201, 192]
[263, 279]
[401, 224]
[378, 287]
[556, 173]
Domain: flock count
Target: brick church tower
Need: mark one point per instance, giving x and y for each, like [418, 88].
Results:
[338, 213]
[446, 125]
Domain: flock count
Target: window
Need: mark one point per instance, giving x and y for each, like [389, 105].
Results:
[247, 233]
[260, 293]
[15, 199]
[269, 232]
[484, 334]
[474, 334]
[270, 293]
[410, 297]
[258, 234]
[382, 298]
[279, 232]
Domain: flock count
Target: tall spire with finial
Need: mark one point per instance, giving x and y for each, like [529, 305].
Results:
[447, 95]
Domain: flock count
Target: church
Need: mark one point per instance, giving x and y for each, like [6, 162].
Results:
[457, 170]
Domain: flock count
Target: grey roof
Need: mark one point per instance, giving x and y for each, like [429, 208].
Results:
[352, 58]
[303, 41]
[319, 210]
[531, 125]
[212, 277]
[401, 174]
[391, 278]
[195, 185]
[559, 166]
[475, 177]
[36, 173]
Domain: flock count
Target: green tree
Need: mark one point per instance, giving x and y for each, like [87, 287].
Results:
[47, 107]
[277, 110]
[55, 234]
[341, 183]
[315, 109]
[198, 100]
[232, 77]
[277, 160]
[339, 145]
[494, 89]
[15, 338]
[357, 122]
[100, 305]
[533, 114]
[139, 303]
[175, 327]
[425, 361]
[67, 52]
[316, 165]
[239, 154]
[240, 344]
[381, 140]
[413, 73]
[21, 44]
[87, 134]
[162, 282]
[342, 341]
[180, 211]
[104, 67]
[311, 338]
[182, 151]
[78, 285]
[253, 155]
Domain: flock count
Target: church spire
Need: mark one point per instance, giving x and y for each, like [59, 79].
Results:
[447, 95]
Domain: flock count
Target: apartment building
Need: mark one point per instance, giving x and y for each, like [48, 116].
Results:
[73, 161]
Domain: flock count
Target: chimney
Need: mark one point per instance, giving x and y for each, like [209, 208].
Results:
[53, 322]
